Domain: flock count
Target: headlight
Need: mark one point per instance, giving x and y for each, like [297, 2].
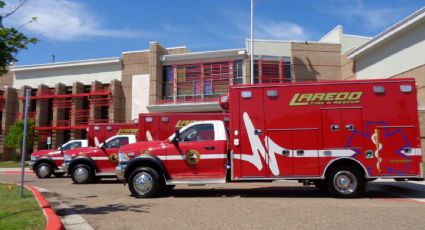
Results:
[33, 158]
[67, 157]
[122, 157]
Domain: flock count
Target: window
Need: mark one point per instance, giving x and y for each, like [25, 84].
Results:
[237, 72]
[199, 81]
[201, 132]
[117, 142]
[72, 145]
[167, 87]
[272, 70]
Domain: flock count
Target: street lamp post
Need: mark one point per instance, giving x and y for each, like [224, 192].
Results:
[24, 140]
[252, 42]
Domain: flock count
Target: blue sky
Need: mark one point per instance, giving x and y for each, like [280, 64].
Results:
[77, 29]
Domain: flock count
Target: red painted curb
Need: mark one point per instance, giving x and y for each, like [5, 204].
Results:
[53, 221]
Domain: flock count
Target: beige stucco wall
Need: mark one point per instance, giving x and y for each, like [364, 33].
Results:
[270, 48]
[400, 53]
[67, 75]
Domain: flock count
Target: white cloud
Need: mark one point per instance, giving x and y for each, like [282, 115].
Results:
[265, 28]
[366, 16]
[279, 30]
[63, 20]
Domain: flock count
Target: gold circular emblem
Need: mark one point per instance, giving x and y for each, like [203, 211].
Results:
[113, 158]
[192, 157]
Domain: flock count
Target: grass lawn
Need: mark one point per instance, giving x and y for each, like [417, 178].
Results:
[11, 164]
[17, 213]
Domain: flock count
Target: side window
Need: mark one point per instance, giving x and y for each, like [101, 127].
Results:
[201, 132]
[67, 146]
[117, 142]
[75, 145]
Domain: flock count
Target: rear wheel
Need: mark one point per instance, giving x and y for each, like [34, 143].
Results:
[345, 182]
[144, 182]
[44, 170]
[82, 174]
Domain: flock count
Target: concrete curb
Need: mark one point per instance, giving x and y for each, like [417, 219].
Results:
[53, 221]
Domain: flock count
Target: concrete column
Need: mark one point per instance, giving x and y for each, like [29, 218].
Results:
[155, 71]
[21, 94]
[10, 109]
[41, 113]
[95, 111]
[117, 108]
[58, 114]
[246, 71]
[77, 104]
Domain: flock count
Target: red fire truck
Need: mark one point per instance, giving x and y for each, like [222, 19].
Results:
[49, 161]
[91, 163]
[335, 135]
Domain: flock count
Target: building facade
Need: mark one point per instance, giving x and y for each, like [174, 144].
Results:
[67, 96]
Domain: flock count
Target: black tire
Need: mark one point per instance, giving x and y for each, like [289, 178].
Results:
[354, 179]
[150, 177]
[82, 174]
[58, 175]
[43, 170]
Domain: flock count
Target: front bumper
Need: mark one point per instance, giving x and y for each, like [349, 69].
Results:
[120, 171]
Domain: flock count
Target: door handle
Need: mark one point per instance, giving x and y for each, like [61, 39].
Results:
[209, 147]
[349, 127]
[300, 152]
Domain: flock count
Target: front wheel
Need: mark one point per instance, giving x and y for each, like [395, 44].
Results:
[43, 170]
[144, 182]
[345, 182]
[82, 174]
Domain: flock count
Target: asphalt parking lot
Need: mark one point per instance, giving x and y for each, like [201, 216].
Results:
[278, 205]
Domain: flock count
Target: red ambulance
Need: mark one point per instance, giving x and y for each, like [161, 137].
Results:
[49, 162]
[336, 135]
[92, 163]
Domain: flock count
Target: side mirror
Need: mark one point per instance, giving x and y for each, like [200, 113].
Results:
[61, 149]
[103, 145]
[176, 138]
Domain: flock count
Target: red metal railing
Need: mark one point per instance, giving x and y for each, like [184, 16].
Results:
[272, 71]
[100, 100]
[20, 116]
[62, 103]
[81, 116]
[42, 135]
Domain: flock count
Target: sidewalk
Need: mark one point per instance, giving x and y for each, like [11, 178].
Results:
[15, 170]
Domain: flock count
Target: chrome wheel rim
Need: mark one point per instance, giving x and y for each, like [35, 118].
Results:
[81, 174]
[43, 171]
[142, 183]
[345, 182]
